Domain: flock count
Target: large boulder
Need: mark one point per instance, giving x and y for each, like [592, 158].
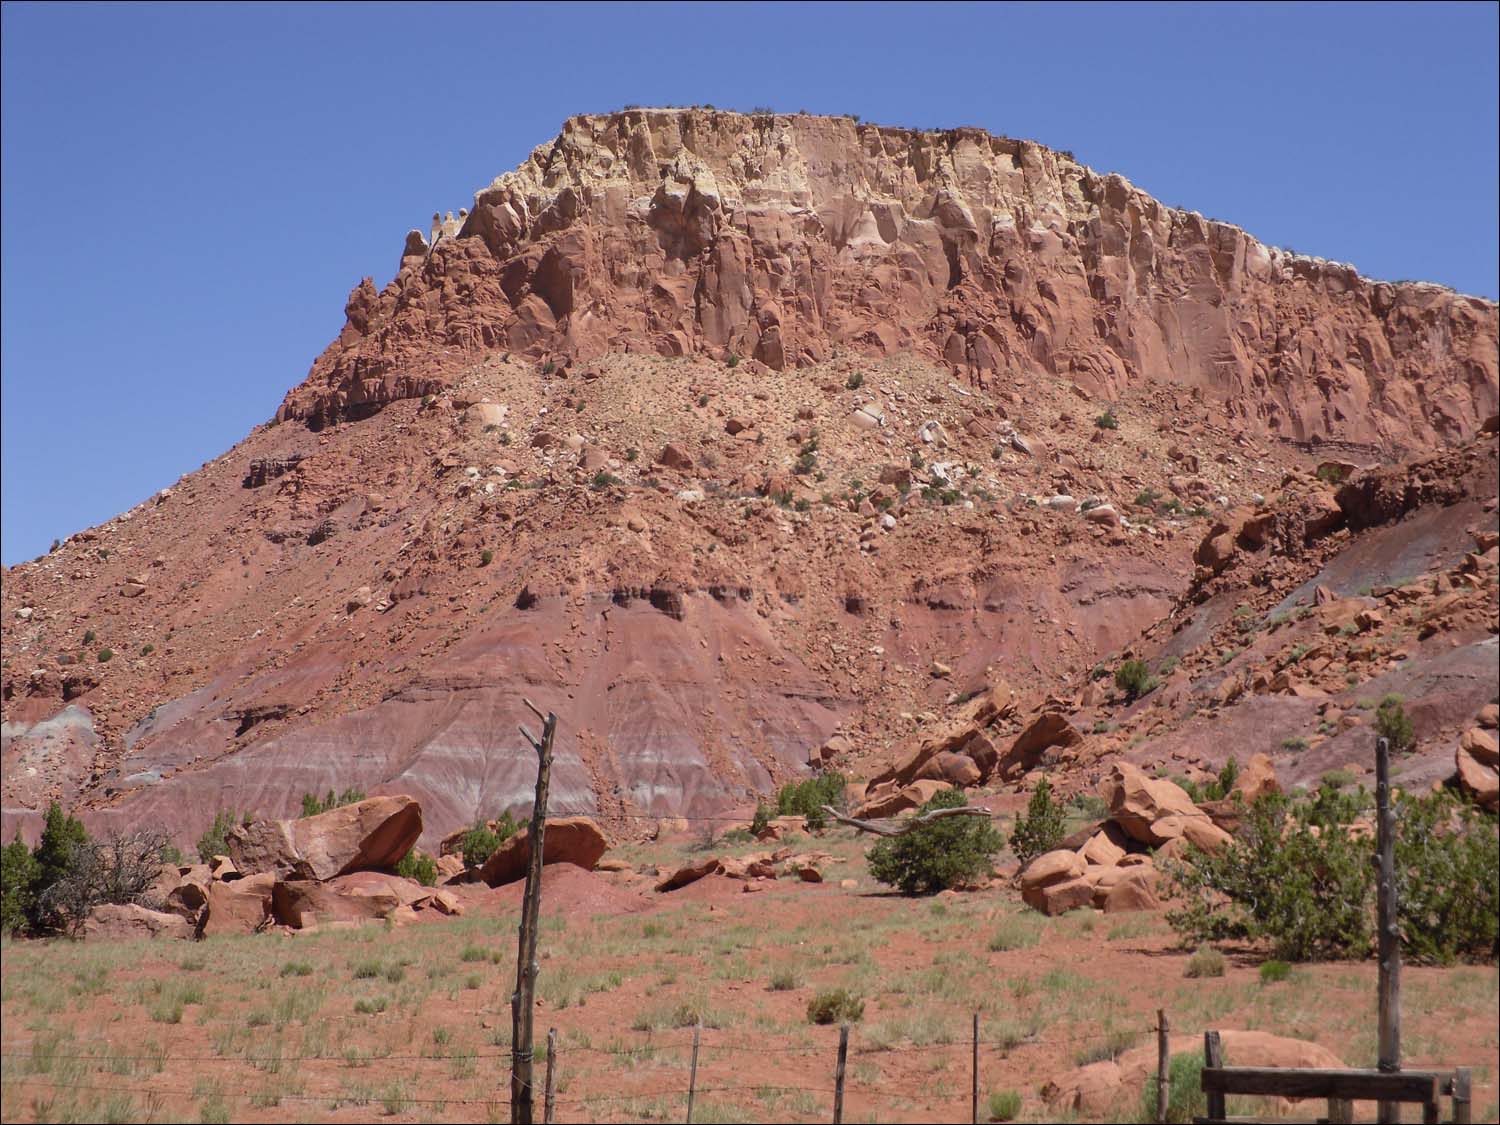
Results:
[1134, 890]
[371, 834]
[1482, 782]
[885, 801]
[1055, 882]
[1059, 898]
[1047, 730]
[111, 922]
[364, 896]
[1138, 803]
[240, 906]
[1257, 779]
[570, 839]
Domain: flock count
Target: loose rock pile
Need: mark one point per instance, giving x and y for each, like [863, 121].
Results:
[1113, 865]
[331, 870]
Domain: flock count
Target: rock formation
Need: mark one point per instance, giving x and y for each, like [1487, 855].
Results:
[786, 237]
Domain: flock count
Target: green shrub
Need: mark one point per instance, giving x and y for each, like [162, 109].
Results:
[18, 878]
[732, 361]
[783, 980]
[1186, 1100]
[106, 655]
[1391, 723]
[807, 798]
[1041, 828]
[416, 865]
[89, 637]
[1206, 961]
[1332, 474]
[311, 806]
[1107, 421]
[480, 842]
[1134, 678]
[1004, 1105]
[486, 557]
[762, 818]
[215, 840]
[1272, 972]
[938, 855]
[836, 1006]
[856, 381]
[1298, 879]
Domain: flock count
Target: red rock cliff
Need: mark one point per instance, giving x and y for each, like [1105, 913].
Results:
[780, 237]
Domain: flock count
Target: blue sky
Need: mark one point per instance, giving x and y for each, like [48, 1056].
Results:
[191, 191]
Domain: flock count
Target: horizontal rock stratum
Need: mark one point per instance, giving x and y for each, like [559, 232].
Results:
[783, 237]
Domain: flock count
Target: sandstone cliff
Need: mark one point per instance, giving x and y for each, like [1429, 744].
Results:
[784, 237]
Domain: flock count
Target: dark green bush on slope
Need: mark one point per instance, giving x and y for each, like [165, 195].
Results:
[939, 855]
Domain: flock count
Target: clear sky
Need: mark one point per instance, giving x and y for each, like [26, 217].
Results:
[190, 191]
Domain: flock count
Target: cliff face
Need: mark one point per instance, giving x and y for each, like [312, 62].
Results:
[674, 232]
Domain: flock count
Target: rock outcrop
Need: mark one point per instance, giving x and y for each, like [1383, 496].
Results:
[370, 834]
[781, 237]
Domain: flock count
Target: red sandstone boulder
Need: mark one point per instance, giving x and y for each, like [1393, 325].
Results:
[1138, 803]
[110, 922]
[370, 834]
[1480, 781]
[570, 839]
[240, 906]
[1049, 729]
[1257, 779]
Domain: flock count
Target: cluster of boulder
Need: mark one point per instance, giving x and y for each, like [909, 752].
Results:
[756, 870]
[1113, 864]
[970, 750]
[331, 870]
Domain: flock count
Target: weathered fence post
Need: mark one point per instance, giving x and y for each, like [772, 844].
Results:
[1389, 934]
[522, 1001]
[1163, 1067]
[551, 1075]
[1463, 1096]
[693, 1072]
[974, 1086]
[838, 1075]
[1213, 1059]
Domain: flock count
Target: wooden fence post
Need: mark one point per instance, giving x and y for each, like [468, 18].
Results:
[974, 1086]
[1388, 938]
[551, 1075]
[693, 1072]
[1213, 1059]
[522, 1001]
[1463, 1096]
[838, 1075]
[1163, 1067]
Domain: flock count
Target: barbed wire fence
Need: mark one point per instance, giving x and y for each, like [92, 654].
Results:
[42, 1074]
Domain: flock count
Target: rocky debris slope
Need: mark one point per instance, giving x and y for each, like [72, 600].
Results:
[783, 237]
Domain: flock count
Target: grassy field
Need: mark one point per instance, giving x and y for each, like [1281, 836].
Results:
[413, 1023]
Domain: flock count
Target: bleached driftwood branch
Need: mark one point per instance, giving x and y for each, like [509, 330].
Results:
[893, 827]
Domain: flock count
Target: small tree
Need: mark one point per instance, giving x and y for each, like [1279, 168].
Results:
[938, 855]
[215, 841]
[1041, 829]
[1391, 723]
[807, 798]
[18, 875]
[311, 806]
[1134, 678]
